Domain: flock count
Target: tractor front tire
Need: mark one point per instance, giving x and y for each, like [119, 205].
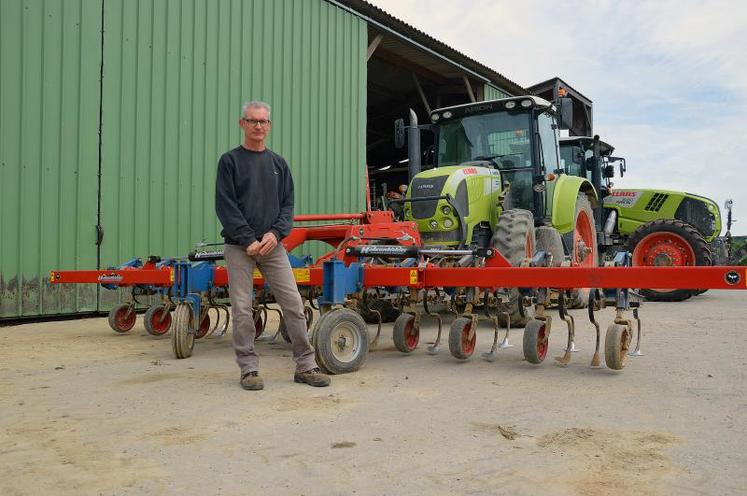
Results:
[514, 238]
[669, 242]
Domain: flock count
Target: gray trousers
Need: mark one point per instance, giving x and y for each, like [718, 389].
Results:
[276, 270]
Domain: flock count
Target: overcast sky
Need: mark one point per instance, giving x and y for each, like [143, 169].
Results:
[668, 78]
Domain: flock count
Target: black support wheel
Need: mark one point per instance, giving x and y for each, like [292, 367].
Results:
[122, 318]
[405, 333]
[535, 341]
[462, 338]
[369, 306]
[182, 337]
[616, 345]
[514, 239]
[157, 320]
[341, 341]
[669, 243]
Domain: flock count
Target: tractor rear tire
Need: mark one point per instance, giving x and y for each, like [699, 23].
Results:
[582, 237]
[514, 238]
[669, 242]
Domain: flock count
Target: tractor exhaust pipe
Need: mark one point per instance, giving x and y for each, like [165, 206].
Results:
[413, 146]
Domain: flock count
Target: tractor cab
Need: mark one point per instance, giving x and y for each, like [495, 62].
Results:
[487, 155]
[577, 159]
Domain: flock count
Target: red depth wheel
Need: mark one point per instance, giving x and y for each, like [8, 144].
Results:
[157, 320]
[406, 334]
[462, 339]
[204, 326]
[122, 318]
[535, 341]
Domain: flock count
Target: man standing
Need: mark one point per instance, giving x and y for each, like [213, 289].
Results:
[254, 202]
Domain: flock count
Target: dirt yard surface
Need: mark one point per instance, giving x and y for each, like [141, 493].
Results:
[87, 411]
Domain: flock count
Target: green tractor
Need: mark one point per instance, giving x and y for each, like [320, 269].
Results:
[494, 184]
[659, 227]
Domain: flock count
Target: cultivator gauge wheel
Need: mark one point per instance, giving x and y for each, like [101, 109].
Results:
[182, 336]
[535, 341]
[122, 318]
[462, 338]
[406, 333]
[341, 341]
[157, 320]
[616, 345]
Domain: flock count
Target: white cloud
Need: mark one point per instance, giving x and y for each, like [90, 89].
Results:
[668, 78]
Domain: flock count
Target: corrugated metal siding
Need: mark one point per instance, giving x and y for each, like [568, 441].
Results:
[49, 115]
[175, 76]
[493, 93]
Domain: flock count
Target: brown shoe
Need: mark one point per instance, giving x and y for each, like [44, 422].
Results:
[313, 377]
[251, 381]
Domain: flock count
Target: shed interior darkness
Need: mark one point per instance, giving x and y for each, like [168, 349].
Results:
[395, 70]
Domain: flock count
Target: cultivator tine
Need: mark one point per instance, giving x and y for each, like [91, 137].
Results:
[504, 343]
[571, 323]
[433, 349]
[492, 355]
[275, 336]
[222, 331]
[593, 302]
[637, 351]
[375, 341]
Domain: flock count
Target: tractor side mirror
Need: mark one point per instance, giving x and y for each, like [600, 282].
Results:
[399, 133]
[609, 171]
[565, 111]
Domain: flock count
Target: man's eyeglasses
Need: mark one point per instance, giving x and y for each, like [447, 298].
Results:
[255, 122]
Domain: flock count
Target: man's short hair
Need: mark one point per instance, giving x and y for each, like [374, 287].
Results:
[255, 104]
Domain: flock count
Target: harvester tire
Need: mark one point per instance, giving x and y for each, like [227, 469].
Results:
[583, 236]
[616, 344]
[341, 341]
[669, 242]
[405, 333]
[182, 339]
[514, 239]
[122, 318]
[389, 312]
[157, 320]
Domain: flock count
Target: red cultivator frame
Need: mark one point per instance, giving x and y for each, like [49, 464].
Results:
[377, 259]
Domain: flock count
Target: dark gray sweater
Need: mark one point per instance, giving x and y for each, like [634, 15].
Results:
[253, 196]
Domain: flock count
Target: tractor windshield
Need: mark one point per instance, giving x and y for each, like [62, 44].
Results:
[500, 137]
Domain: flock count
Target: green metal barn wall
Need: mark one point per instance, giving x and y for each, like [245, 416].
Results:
[175, 76]
[49, 114]
[493, 93]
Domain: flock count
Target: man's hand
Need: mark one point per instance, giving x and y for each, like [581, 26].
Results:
[253, 249]
[269, 242]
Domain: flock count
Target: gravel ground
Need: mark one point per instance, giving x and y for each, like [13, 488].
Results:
[87, 411]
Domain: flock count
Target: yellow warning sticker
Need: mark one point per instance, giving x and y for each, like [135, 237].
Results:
[171, 275]
[302, 275]
[257, 274]
[413, 276]
[51, 276]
